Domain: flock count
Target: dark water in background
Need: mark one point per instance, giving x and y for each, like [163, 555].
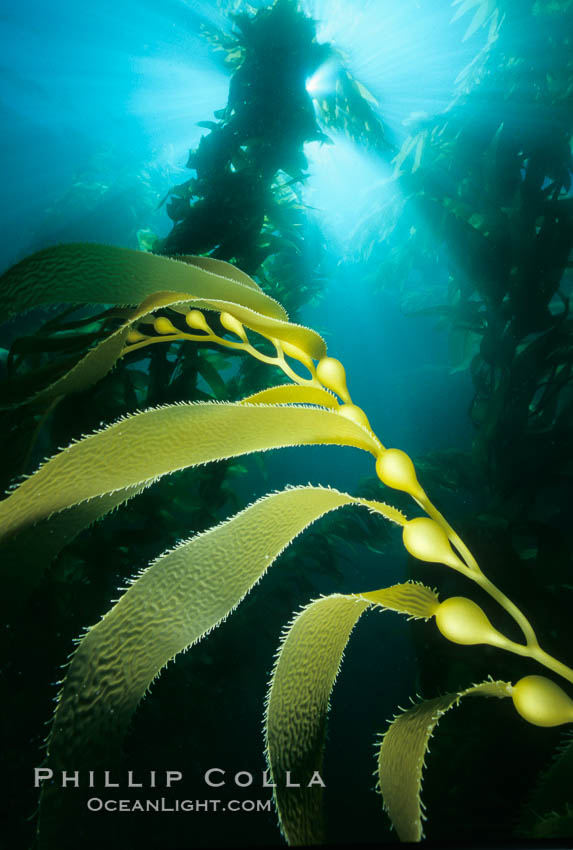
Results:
[99, 104]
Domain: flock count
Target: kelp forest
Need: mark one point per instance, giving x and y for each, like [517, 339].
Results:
[175, 598]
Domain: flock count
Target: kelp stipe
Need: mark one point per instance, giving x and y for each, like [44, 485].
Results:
[193, 587]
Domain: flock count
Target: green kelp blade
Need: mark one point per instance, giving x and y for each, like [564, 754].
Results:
[554, 826]
[553, 795]
[171, 605]
[294, 394]
[88, 273]
[141, 448]
[211, 375]
[402, 756]
[26, 556]
[304, 674]
[94, 365]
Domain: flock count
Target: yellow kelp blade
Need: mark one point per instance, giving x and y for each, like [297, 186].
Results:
[219, 267]
[141, 448]
[305, 670]
[307, 340]
[294, 394]
[402, 756]
[98, 362]
[169, 607]
[412, 598]
[88, 273]
[124, 458]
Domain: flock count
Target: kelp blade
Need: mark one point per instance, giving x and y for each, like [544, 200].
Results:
[412, 598]
[293, 394]
[305, 671]
[25, 557]
[86, 273]
[549, 806]
[81, 273]
[145, 446]
[170, 606]
[175, 601]
[308, 340]
[402, 755]
[100, 360]
[89, 273]
[218, 267]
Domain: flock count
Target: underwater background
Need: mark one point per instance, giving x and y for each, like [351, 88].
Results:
[399, 177]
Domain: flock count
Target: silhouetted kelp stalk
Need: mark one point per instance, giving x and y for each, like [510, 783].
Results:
[244, 204]
[483, 191]
[193, 587]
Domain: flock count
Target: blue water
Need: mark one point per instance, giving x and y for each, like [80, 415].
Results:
[100, 104]
[111, 94]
